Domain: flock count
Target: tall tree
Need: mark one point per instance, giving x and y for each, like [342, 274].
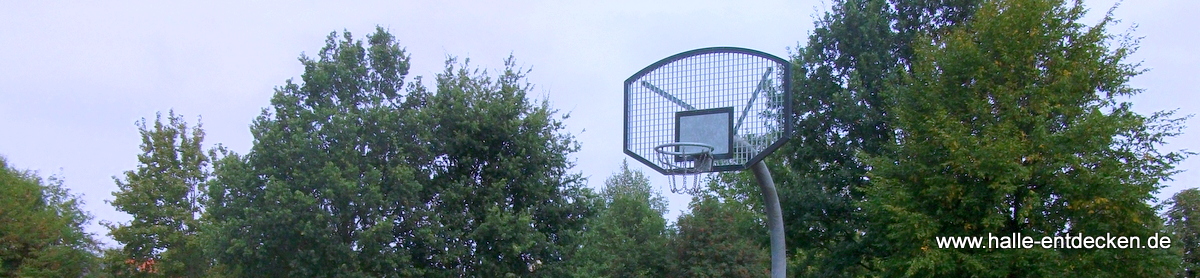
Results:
[41, 227]
[1011, 123]
[629, 237]
[1183, 220]
[720, 238]
[163, 196]
[353, 174]
[501, 196]
[326, 187]
[840, 114]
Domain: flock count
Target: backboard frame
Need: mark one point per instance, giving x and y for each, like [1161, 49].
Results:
[785, 124]
[703, 112]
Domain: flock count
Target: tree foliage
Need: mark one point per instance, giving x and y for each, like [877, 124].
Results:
[1011, 123]
[840, 114]
[505, 201]
[41, 227]
[629, 236]
[321, 190]
[720, 239]
[163, 196]
[1183, 220]
[355, 174]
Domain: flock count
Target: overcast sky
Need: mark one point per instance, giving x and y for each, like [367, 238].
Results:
[74, 77]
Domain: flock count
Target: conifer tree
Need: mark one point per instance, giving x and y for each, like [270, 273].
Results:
[720, 238]
[163, 196]
[629, 236]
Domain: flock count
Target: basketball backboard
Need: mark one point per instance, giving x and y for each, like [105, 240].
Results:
[724, 100]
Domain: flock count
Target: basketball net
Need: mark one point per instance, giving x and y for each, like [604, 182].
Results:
[685, 165]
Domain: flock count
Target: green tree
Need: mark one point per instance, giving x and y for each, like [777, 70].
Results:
[503, 202]
[163, 196]
[720, 239]
[1183, 220]
[326, 184]
[353, 174]
[629, 236]
[840, 114]
[1011, 123]
[41, 231]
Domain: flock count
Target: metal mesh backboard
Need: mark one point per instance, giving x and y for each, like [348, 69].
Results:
[732, 99]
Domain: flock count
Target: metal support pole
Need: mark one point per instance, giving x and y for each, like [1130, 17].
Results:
[774, 219]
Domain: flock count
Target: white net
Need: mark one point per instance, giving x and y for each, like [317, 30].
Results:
[684, 161]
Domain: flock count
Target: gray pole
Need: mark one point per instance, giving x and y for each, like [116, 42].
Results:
[774, 219]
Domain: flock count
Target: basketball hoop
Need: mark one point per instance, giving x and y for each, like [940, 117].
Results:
[718, 109]
[685, 159]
